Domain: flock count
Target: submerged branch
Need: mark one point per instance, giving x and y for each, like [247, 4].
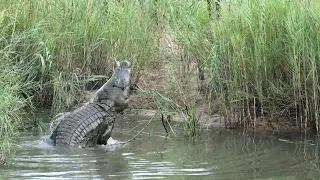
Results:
[139, 131]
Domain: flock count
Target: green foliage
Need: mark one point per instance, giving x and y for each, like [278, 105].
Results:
[11, 88]
[68, 39]
[166, 107]
[260, 57]
[268, 53]
[190, 123]
[51, 49]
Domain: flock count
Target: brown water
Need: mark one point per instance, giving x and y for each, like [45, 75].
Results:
[214, 155]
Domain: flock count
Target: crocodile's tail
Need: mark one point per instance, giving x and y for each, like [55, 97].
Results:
[82, 127]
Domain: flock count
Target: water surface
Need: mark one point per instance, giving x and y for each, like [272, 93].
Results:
[214, 155]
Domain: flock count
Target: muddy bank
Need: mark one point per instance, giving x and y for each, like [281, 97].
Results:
[215, 121]
[142, 107]
[206, 112]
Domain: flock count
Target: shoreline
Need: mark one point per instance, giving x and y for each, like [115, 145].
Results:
[215, 122]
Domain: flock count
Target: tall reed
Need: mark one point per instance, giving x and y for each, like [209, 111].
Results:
[261, 58]
[265, 56]
[80, 38]
[13, 86]
[58, 45]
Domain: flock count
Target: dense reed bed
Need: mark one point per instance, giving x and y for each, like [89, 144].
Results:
[265, 60]
[258, 58]
[52, 49]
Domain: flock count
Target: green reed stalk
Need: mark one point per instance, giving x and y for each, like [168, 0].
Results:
[261, 57]
[58, 45]
[268, 53]
[78, 38]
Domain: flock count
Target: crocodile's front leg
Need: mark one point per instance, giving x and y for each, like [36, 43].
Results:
[105, 135]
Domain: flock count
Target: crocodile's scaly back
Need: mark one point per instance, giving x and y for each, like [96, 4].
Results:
[83, 127]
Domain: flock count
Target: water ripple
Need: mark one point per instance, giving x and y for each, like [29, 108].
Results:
[227, 156]
[144, 169]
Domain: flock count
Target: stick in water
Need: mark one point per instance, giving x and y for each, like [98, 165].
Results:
[139, 131]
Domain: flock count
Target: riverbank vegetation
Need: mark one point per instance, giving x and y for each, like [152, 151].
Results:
[255, 59]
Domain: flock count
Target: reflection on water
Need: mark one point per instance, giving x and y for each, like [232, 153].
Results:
[215, 155]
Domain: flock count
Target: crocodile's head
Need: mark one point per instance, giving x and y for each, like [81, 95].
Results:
[117, 88]
[122, 75]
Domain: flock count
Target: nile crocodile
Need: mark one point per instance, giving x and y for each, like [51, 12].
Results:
[93, 122]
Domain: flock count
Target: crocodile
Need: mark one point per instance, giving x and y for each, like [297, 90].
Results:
[92, 123]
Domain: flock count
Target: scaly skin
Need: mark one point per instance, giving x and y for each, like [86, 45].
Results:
[92, 123]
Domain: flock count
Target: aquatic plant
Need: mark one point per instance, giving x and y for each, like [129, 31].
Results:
[12, 88]
[57, 47]
[76, 39]
[260, 57]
